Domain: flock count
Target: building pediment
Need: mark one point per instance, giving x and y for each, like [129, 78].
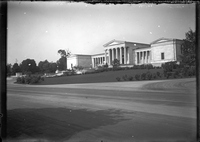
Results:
[113, 42]
[161, 40]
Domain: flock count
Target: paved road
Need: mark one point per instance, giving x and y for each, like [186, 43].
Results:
[121, 111]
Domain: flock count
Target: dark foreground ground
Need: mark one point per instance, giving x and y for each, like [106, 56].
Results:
[103, 112]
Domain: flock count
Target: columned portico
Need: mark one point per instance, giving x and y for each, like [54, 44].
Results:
[119, 53]
[143, 57]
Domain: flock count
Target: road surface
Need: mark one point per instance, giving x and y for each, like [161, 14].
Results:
[162, 110]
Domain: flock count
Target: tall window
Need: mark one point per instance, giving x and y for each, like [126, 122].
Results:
[162, 56]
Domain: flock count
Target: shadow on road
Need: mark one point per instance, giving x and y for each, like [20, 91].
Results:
[56, 124]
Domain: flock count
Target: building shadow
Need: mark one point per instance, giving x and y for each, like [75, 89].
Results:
[56, 124]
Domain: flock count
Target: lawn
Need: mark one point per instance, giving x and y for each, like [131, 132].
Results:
[109, 76]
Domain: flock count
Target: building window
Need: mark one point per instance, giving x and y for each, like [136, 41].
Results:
[162, 56]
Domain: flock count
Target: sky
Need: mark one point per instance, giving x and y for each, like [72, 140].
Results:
[37, 30]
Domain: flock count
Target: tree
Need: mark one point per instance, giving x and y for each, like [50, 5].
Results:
[28, 65]
[9, 69]
[188, 49]
[115, 63]
[62, 62]
[52, 67]
[47, 67]
[15, 68]
[44, 66]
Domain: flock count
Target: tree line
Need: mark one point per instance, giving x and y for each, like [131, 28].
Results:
[30, 66]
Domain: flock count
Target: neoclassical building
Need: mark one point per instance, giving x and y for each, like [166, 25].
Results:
[131, 53]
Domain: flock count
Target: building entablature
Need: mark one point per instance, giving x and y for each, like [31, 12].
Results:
[142, 49]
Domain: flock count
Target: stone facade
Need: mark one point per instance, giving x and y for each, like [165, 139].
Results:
[131, 53]
[79, 60]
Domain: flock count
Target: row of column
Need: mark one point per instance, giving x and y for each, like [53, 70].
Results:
[98, 61]
[143, 57]
[119, 53]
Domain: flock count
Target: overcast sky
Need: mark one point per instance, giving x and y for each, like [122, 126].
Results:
[37, 30]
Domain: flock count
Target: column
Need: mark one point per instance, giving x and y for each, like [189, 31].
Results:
[137, 56]
[146, 56]
[150, 56]
[93, 62]
[109, 58]
[120, 55]
[105, 57]
[117, 53]
[149, 59]
[124, 55]
[127, 53]
[112, 55]
[140, 57]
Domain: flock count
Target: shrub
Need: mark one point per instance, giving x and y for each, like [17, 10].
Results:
[118, 78]
[154, 75]
[137, 76]
[149, 76]
[105, 66]
[19, 79]
[27, 79]
[125, 77]
[116, 68]
[143, 76]
[158, 74]
[130, 78]
[30, 79]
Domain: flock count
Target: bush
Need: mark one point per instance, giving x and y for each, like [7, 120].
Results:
[154, 76]
[137, 76]
[149, 76]
[19, 80]
[27, 79]
[118, 78]
[158, 74]
[30, 79]
[130, 78]
[144, 66]
[125, 77]
[143, 76]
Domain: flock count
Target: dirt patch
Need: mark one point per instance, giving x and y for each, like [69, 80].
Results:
[57, 124]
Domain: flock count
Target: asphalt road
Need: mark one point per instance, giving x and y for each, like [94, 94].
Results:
[162, 110]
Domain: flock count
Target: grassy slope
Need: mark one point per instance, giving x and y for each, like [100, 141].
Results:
[109, 76]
